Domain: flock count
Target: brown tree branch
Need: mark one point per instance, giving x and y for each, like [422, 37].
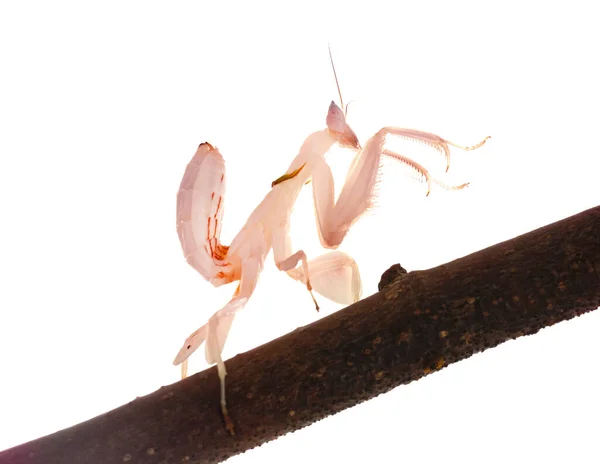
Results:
[417, 324]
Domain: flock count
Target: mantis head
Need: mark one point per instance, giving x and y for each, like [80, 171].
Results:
[339, 128]
[336, 119]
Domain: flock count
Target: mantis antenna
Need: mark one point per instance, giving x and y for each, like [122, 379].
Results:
[336, 80]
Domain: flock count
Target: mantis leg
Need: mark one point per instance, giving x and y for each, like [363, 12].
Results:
[334, 219]
[435, 141]
[285, 260]
[334, 275]
[220, 324]
[215, 332]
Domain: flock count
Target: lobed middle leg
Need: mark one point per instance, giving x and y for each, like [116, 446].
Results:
[286, 261]
[334, 275]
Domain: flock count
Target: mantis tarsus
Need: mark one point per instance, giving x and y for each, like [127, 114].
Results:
[335, 275]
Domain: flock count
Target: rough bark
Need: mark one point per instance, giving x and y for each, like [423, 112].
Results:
[417, 324]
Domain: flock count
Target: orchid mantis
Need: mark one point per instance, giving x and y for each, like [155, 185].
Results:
[335, 275]
[199, 216]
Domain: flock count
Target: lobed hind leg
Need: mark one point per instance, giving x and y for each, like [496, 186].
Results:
[191, 344]
[215, 331]
[184, 369]
[220, 324]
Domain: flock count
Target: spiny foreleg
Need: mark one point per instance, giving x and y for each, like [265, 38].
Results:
[432, 140]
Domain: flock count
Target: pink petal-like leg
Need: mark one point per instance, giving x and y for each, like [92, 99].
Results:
[192, 343]
[216, 330]
[334, 275]
[285, 260]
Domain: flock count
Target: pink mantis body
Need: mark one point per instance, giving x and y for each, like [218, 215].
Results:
[200, 204]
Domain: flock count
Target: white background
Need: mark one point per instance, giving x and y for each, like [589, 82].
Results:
[101, 108]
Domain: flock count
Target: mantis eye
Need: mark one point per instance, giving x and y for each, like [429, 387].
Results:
[335, 118]
[336, 123]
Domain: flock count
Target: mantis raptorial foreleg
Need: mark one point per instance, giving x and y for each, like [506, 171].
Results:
[430, 139]
[334, 219]
[424, 172]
